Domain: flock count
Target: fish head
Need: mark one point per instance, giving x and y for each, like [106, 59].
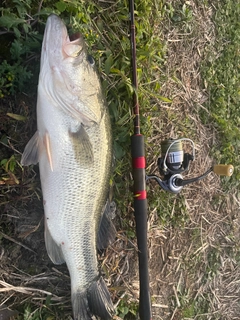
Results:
[57, 46]
[68, 73]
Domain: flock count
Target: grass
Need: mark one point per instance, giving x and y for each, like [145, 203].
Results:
[221, 74]
[106, 32]
[187, 58]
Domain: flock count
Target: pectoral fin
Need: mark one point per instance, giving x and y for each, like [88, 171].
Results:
[31, 151]
[33, 147]
[47, 145]
[54, 251]
[82, 146]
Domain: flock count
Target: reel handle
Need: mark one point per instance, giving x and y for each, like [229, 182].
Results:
[223, 169]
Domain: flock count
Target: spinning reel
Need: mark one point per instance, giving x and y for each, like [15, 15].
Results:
[174, 162]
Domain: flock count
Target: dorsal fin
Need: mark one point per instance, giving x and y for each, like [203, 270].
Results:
[107, 231]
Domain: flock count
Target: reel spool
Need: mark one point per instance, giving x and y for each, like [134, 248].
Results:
[173, 159]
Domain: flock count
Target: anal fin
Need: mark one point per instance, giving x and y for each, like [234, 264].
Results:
[53, 249]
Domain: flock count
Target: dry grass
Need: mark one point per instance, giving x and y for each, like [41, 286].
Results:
[194, 270]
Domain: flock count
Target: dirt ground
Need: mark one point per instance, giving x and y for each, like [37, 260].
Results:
[194, 266]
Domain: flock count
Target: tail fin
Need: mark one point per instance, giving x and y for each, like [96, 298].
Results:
[94, 301]
[80, 306]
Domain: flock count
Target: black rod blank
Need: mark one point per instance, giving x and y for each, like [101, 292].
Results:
[139, 187]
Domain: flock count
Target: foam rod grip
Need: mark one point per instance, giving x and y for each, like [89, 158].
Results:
[223, 169]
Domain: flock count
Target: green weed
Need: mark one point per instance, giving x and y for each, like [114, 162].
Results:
[194, 308]
[42, 312]
[171, 208]
[20, 42]
[180, 14]
[221, 72]
[126, 309]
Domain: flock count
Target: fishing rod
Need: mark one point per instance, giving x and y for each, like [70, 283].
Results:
[173, 163]
[139, 187]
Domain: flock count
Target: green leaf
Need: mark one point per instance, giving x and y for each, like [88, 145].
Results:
[12, 164]
[17, 32]
[108, 64]
[61, 6]
[119, 152]
[164, 99]
[17, 117]
[3, 162]
[16, 49]
[10, 20]
[4, 139]
[26, 27]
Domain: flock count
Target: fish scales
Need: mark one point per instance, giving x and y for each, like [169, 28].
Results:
[74, 149]
[66, 199]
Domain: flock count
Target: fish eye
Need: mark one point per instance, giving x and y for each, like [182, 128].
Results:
[90, 60]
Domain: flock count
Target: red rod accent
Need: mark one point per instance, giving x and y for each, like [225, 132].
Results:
[140, 195]
[139, 163]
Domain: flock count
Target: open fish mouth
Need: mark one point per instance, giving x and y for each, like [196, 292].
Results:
[58, 43]
[75, 36]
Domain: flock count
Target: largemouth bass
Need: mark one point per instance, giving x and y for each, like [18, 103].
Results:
[74, 150]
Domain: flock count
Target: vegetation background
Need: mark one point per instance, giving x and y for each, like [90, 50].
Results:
[188, 58]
